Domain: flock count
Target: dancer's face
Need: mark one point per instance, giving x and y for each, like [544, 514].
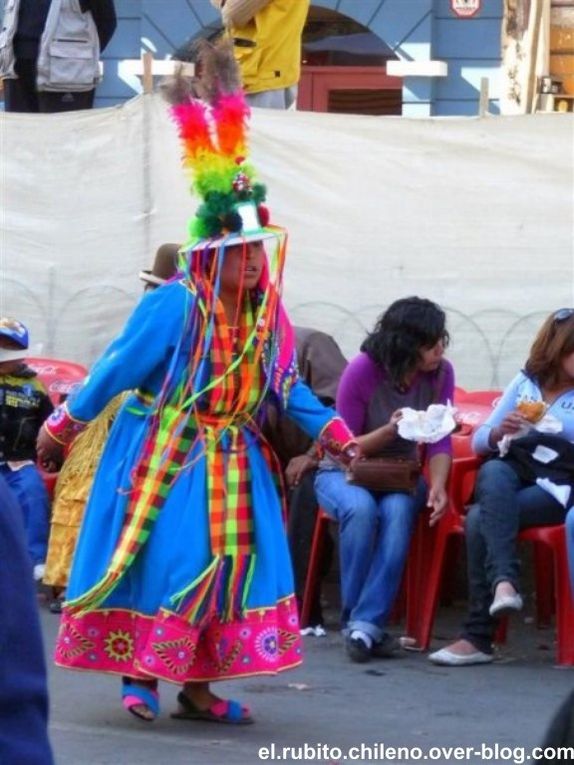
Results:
[242, 266]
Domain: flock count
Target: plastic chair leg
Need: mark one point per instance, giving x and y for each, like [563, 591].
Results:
[312, 581]
[424, 579]
[501, 632]
[564, 603]
[544, 576]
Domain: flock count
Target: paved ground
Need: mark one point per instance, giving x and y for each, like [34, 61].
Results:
[329, 702]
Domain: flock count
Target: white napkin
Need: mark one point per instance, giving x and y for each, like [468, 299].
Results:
[548, 424]
[429, 426]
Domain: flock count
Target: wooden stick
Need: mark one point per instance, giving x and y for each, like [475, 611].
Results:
[536, 10]
[147, 59]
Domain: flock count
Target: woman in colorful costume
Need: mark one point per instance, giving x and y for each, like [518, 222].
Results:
[182, 569]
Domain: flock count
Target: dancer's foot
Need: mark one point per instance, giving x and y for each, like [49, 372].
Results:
[197, 702]
[141, 698]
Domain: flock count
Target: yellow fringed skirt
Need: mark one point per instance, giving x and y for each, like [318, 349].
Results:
[72, 492]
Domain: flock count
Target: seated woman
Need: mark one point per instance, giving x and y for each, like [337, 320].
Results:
[507, 496]
[400, 365]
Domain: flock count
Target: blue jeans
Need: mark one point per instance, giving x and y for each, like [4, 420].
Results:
[374, 532]
[28, 488]
[505, 505]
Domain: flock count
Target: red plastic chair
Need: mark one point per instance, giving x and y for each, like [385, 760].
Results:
[553, 585]
[488, 398]
[459, 393]
[417, 552]
[471, 414]
[313, 581]
[428, 555]
[60, 377]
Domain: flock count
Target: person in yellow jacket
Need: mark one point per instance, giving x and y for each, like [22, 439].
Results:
[266, 38]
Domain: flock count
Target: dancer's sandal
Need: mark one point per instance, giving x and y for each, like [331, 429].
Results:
[135, 696]
[221, 711]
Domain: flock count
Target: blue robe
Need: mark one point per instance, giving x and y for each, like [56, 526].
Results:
[137, 630]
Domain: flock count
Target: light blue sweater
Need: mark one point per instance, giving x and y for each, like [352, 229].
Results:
[524, 388]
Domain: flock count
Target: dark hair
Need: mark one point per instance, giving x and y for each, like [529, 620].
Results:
[554, 341]
[406, 327]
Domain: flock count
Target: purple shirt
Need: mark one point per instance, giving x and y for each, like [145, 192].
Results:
[366, 398]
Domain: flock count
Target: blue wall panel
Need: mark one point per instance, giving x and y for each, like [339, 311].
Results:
[204, 11]
[126, 42]
[471, 48]
[332, 4]
[128, 8]
[415, 29]
[396, 22]
[467, 39]
[363, 12]
[169, 24]
[464, 79]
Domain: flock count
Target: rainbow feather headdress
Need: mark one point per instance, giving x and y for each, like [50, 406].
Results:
[213, 133]
[212, 118]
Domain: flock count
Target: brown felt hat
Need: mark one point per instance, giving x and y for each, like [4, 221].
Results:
[164, 265]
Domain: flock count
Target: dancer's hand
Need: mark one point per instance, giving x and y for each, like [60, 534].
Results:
[50, 452]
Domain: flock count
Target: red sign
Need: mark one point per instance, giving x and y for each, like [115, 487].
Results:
[464, 9]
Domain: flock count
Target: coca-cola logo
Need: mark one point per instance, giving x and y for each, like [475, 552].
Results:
[48, 369]
[63, 386]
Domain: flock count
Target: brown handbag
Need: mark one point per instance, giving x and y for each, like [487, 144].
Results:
[384, 474]
[388, 473]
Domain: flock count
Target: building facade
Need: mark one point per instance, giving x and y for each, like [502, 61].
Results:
[442, 47]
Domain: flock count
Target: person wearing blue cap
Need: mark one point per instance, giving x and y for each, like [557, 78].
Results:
[24, 405]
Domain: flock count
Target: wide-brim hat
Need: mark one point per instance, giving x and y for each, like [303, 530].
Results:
[232, 239]
[164, 265]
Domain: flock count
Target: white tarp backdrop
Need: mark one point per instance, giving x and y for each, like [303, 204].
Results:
[477, 215]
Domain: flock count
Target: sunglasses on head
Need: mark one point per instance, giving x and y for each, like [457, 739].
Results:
[563, 313]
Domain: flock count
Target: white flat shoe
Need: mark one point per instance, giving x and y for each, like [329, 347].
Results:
[447, 658]
[505, 605]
